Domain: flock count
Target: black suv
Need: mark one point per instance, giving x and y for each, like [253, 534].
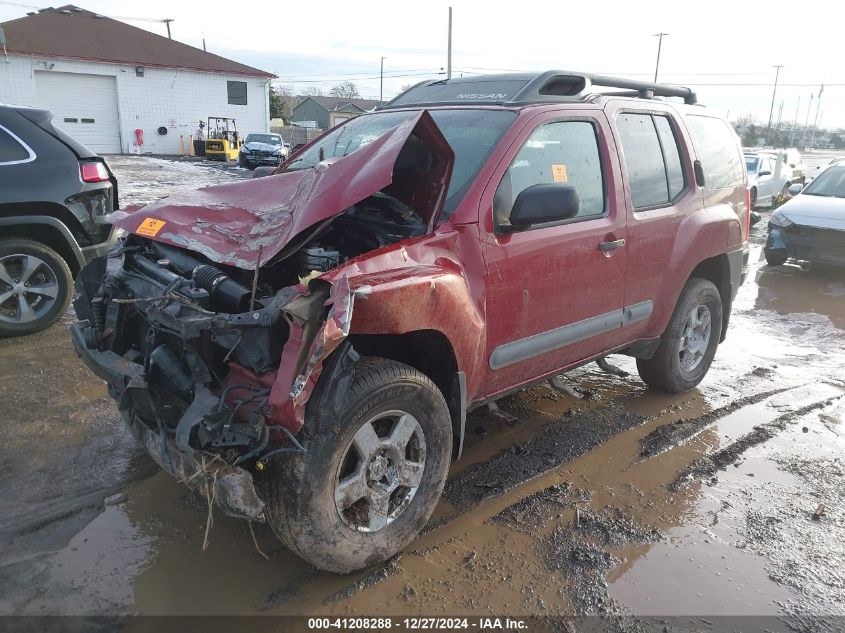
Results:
[54, 192]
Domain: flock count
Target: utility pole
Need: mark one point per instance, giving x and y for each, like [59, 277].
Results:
[772, 108]
[449, 51]
[816, 122]
[381, 83]
[659, 46]
[795, 122]
[807, 123]
[167, 21]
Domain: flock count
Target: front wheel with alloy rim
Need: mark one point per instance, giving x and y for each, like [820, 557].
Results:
[35, 286]
[688, 345]
[372, 474]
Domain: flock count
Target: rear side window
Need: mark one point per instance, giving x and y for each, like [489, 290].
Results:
[566, 152]
[719, 152]
[647, 168]
[671, 155]
[11, 149]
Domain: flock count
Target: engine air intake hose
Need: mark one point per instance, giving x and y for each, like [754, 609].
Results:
[224, 292]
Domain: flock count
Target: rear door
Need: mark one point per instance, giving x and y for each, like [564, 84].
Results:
[554, 291]
[659, 196]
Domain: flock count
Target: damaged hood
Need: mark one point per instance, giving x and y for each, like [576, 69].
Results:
[232, 223]
[822, 212]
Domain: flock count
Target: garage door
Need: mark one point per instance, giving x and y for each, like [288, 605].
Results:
[84, 106]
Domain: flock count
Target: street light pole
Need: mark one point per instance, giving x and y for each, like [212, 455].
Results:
[807, 123]
[772, 108]
[381, 83]
[795, 122]
[449, 50]
[167, 21]
[659, 46]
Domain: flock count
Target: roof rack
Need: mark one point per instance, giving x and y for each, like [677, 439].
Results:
[525, 88]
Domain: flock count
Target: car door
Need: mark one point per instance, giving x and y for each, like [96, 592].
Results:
[554, 291]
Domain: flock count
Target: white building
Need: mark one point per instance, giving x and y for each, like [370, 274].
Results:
[109, 83]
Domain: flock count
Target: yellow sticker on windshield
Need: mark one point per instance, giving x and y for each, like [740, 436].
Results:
[559, 173]
[150, 227]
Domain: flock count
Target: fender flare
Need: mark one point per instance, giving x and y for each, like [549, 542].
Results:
[61, 227]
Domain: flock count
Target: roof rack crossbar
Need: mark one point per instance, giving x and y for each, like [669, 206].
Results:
[580, 83]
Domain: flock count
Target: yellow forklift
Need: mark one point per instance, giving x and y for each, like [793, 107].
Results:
[223, 142]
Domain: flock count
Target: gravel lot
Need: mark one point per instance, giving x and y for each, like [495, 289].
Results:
[626, 501]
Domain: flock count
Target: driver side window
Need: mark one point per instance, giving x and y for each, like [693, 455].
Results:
[564, 152]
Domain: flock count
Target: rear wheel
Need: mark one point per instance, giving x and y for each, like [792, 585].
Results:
[35, 286]
[776, 258]
[753, 197]
[371, 476]
[689, 343]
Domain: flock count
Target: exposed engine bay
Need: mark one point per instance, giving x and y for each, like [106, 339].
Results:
[197, 345]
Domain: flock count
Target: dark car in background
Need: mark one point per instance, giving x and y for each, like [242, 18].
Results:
[262, 149]
[811, 226]
[54, 192]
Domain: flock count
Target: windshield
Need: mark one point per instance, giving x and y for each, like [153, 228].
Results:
[270, 139]
[751, 164]
[829, 183]
[472, 134]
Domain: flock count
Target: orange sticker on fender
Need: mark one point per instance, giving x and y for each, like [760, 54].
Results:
[559, 173]
[150, 227]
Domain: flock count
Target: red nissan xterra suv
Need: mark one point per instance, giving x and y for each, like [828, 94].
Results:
[312, 340]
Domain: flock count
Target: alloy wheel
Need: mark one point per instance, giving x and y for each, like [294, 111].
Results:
[381, 471]
[28, 288]
[695, 338]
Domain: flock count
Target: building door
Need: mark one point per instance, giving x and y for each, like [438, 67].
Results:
[84, 106]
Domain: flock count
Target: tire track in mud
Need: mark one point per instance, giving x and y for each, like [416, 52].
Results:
[671, 434]
[707, 466]
[556, 443]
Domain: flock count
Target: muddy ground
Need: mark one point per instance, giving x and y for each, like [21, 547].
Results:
[627, 501]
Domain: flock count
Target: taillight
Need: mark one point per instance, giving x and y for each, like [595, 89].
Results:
[747, 213]
[94, 172]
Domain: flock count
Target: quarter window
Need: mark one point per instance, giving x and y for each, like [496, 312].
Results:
[565, 152]
[11, 151]
[719, 152]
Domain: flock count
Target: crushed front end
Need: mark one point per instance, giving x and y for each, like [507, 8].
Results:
[191, 353]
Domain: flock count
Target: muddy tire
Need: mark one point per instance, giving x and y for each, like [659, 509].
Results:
[35, 286]
[371, 476]
[689, 343]
[776, 258]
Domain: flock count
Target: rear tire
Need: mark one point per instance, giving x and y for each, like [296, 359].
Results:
[753, 197]
[686, 350]
[35, 286]
[776, 258]
[343, 505]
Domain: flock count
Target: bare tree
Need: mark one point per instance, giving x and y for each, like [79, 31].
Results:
[313, 91]
[345, 90]
[404, 87]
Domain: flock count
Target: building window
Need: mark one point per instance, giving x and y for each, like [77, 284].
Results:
[71, 120]
[237, 92]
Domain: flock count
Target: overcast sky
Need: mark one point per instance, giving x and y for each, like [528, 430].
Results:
[712, 42]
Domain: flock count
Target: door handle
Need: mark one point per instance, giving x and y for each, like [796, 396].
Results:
[609, 246]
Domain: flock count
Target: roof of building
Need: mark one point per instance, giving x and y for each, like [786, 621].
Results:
[73, 33]
[342, 103]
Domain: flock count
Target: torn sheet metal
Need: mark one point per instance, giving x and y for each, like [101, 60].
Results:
[230, 223]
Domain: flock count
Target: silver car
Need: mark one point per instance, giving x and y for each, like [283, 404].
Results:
[767, 178]
[811, 226]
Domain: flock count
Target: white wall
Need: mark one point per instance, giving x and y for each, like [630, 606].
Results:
[176, 99]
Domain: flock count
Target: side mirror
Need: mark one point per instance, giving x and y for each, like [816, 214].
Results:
[766, 173]
[795, 189]
[545, 202]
